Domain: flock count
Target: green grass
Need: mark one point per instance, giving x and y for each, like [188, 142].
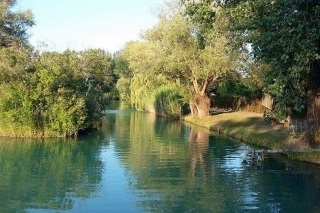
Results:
[253, 129]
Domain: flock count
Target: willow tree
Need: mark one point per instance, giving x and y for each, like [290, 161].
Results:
[147, 81]
[178, 56]
[124, 74]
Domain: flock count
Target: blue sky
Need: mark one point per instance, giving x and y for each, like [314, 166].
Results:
[83, 24]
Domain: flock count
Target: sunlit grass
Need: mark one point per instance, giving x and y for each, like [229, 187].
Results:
[251, 128]
[248, 127]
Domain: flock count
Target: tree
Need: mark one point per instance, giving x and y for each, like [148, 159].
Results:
[73, 87]
[147, 79]
[202, 14]
[284, 34]
[14, 25]
[62, 93]
[121, 69]
[172, 50]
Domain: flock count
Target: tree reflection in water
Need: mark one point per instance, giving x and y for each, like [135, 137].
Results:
[199, 144]
[46, 174]
[147, 164]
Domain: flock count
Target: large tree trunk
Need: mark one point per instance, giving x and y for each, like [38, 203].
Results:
[313, 114]
[200, 106]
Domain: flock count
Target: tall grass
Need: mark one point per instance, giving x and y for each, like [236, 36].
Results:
[168, 102]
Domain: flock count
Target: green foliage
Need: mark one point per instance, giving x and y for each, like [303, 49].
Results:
[143, 89]
[15, 65]
[141, 83]
[80, 82]
[121, 65]
[147, 75]
[63, 94]
[168, 102]
[170, 51]
[15, 115]
[202, 15]
[14, 25]
[124, 74]
[284, 34]
[123, 87]
[234, 93]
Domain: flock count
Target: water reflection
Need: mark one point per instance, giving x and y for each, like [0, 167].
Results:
[141, 163]
[199, 144]
[178, 168]
[171, 164]
[46, 174]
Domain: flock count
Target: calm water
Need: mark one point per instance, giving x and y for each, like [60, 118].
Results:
[140, 163]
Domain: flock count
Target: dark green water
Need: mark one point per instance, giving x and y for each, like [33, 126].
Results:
[140, 163]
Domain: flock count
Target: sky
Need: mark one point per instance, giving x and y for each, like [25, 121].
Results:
[84, 24]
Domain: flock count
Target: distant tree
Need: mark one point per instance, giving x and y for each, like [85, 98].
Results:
[124, 75]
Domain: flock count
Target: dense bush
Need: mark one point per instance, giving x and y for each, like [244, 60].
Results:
[62, 93]
[234, 95]
[168, 102]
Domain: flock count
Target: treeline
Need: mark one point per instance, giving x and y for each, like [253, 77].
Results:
[227, 49]
[230, 50]
[185, 61]
[49, 94]
[53, 94]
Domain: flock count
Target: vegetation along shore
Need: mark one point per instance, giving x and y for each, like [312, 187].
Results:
[259, 55]
[252, 128]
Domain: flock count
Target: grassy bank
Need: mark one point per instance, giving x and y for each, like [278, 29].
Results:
[253, 129]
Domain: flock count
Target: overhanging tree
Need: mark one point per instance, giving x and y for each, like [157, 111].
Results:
[286, 35]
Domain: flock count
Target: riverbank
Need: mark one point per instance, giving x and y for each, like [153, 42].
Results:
[253, 129]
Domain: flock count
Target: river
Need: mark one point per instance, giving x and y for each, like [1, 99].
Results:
[138, 162]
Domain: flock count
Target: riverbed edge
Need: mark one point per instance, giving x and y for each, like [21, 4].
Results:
[251, 128]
